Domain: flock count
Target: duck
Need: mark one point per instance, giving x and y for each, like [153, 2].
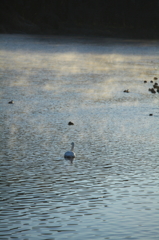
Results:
[11, 102]
[152, 90]
[155, 85]
[70, 123]
[70, 154]
[155, 78]
[127, 91]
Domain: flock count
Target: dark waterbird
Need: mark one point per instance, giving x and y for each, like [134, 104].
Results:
[11, 102]
[152, 90]
[70, 123]
[156, 85]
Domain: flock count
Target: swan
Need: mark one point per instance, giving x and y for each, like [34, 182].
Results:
[70, 154]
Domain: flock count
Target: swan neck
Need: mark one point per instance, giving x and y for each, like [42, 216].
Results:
[72, 148]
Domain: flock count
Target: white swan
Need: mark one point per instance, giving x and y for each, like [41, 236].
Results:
[70, 154]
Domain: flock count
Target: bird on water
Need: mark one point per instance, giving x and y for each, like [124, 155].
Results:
[70, 123]
[70, 154]
[11, 102]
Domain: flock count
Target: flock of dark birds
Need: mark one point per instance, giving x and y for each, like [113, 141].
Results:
[154, 89]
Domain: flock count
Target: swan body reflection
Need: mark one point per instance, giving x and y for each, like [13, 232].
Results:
[70, 154]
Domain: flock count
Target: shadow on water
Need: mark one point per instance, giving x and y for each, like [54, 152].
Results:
[69, 159]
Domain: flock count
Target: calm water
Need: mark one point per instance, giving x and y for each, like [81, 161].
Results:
[111, 190]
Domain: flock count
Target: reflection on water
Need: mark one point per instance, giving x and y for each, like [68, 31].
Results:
[110, 190]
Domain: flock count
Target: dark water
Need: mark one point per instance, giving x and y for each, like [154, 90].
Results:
[111, 190]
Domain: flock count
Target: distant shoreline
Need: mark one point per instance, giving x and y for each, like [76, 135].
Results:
[115, 19]
[86, 31]
[114, 32]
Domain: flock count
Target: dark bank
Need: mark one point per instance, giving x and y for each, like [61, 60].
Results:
[135, 19]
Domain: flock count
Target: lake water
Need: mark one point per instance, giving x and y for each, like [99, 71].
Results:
[111, 189]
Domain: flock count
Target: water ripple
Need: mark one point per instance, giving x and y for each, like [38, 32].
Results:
[110, 191]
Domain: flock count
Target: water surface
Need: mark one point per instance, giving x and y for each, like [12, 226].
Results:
[111, 189]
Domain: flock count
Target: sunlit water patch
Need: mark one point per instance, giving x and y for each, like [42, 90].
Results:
[110, 191]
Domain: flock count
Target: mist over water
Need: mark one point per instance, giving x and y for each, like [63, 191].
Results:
[111, 190]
